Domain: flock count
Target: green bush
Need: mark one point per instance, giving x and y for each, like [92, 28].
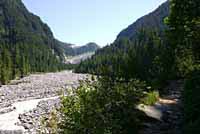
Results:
[103, 107]
[192, 103]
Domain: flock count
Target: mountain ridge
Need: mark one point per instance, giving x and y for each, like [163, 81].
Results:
[89, 47]
[153, 20]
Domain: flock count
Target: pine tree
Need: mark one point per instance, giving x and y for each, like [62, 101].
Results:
[184, 21]
[16, 62]
[6, 70]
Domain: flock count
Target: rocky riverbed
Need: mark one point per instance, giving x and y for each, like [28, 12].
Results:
[24, 101]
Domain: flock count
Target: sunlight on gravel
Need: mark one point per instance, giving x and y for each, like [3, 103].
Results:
[24, 95]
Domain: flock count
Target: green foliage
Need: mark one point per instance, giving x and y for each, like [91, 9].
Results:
[22, 59]
[69, 66]
[184, 41]
[102, 107]
[184, 34]
[151, 98]
[5, 70]
[49, 124]
[192, 103]
[145, 58]
[185, 64]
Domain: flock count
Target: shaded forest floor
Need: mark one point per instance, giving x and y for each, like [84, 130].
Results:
[167, 112]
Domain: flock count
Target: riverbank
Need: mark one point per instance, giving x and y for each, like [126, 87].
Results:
[24, 96]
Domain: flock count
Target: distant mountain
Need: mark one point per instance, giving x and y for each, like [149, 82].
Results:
[90, 47]
[154, 20]
[73, 50]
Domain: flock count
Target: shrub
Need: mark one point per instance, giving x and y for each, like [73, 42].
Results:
[103, 107]
[192, 103]
[49, 124]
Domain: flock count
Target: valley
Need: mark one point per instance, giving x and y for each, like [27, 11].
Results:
[146, 81]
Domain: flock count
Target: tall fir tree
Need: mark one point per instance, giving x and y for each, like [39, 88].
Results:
[184, 35]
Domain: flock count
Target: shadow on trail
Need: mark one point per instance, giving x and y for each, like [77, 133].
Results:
[167, 112]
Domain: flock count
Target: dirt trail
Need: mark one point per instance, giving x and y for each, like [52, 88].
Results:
[170, 108]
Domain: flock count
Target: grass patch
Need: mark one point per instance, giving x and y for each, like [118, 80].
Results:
[151, 98]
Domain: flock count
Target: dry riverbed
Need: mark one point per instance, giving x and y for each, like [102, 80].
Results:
[24, 101]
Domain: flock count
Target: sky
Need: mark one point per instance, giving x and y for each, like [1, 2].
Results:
[82, 21]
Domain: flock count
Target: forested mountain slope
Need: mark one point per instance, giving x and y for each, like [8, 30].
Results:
[18, 25]
[153, 20]
[26, 43]
[66, 48]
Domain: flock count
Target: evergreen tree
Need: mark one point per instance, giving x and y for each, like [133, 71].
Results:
[6, 70]
[16, 62]
[184, 21]
[184, 37]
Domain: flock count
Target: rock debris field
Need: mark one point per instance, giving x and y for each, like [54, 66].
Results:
[23, 101]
